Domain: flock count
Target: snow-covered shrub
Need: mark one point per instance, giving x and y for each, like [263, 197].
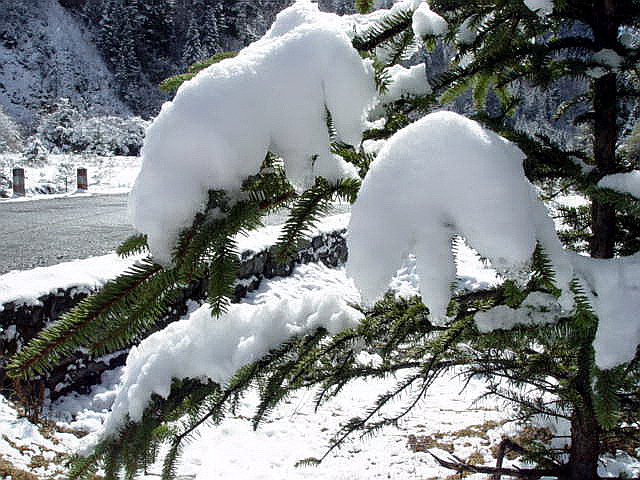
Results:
[10, 139]
[34, 153]
[67, 130]
[65, 175]
[55, 129]
[5, 175]
[109, 135]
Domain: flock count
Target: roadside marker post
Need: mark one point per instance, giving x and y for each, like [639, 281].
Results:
[18, 182]
[83, 180]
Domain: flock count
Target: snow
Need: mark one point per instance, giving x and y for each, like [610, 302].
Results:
[200, 347]
[53, 58]
[273, 97]
[406, 81]
[541, 7]
[613, 289]
[597, 72]
[623, 182]
[295, 431]
[106, 175]
[25, 287]
[306, 279]
[22, 442]
[426, 22]
[373, 146]
[474, 187]
[537, 309]
[466, 35]
[608, 58]
[265, 237]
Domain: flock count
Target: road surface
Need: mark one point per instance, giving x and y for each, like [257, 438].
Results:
[39, 233]
[44, 232]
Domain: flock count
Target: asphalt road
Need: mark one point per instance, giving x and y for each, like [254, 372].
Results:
[39, 233]
[46, 232]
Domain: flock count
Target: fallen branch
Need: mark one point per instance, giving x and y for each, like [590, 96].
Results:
[505, 446]
[527, 473]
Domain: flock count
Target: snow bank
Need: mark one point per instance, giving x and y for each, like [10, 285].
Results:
[623, 182]
[272, 97]
[613, 288]
[450, 176]
[200, 347]
[24, 287]
[426, 22]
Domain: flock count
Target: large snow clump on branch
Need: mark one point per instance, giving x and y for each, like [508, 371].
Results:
[274, 96]
[441, 176]
[199, 347]
[613, 289]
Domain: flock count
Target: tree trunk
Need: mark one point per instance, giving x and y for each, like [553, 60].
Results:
[585, 446]
[585, 430]
[605, 131]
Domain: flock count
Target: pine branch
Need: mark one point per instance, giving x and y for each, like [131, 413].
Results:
[134, 245]
[78, 327]
[173, 83]
[527, 473]
[308, 209]
[390, 27]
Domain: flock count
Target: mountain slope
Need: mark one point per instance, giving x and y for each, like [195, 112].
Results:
[45, 54]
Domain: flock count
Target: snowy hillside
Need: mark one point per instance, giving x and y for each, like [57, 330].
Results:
[45, 54]
[107, 57]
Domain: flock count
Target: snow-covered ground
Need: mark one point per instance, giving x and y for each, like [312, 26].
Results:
[57, 177]
[446, 421]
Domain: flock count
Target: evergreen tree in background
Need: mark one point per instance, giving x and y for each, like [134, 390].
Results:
[499, 45]
[193, 51]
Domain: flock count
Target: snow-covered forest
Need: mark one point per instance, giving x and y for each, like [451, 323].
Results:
[486, 261]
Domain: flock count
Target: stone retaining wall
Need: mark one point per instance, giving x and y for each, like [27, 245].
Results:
[20, 323]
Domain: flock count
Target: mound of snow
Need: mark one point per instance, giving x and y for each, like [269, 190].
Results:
[623, 182]
[441, 176]
[200, 347]
[613, 288]
[273, 96]
[426, 22]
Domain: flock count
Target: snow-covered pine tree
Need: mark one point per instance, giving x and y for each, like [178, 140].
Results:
[192, 51]
[558, 338]
[9, 134]
[502, 46]
[211, 37]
